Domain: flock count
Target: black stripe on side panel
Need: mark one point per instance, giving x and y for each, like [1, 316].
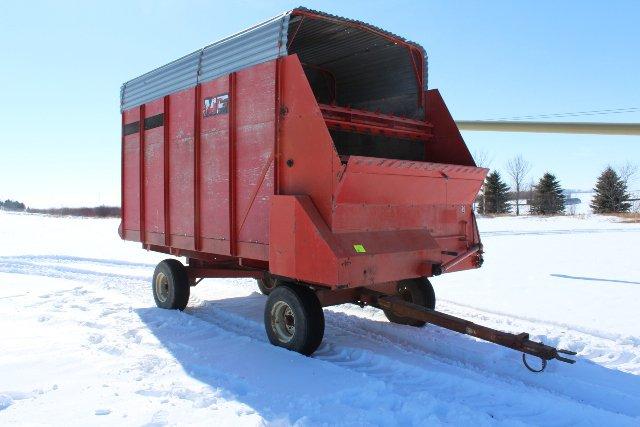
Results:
[154, 121]
[131, 128]
[149, 123]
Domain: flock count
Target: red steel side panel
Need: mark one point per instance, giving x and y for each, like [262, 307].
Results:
[131, 177]
[303, 247]
[254, 181]
[154, 177]
[210, 180]
[370, 180]
[181, 189]
[300, 244]
[308, 161]
[214, 172]
[447, 145]
[383, 194]
[187, 160]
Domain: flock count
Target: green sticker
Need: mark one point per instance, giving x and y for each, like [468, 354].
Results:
[359, 248]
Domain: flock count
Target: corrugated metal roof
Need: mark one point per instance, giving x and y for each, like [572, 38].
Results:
[364, 24]
[261, 43]
[372, 67]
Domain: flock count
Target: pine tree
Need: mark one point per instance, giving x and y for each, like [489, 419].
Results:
[547, 196]
[494, 199]
[611, 193]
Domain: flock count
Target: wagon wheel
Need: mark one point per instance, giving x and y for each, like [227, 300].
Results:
[267, 284]
[293, 318]
[170, 285]
[416, 291]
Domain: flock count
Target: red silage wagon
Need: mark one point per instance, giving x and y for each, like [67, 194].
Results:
[305, 152]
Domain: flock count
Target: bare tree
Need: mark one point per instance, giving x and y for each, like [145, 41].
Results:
[483, 160]
[518, 168]
[627, 172]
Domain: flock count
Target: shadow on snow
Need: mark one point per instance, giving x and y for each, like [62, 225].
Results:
[594, 279]
[366, 370]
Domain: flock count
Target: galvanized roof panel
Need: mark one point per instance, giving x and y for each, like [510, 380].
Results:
[373, 65]
[260, 43]
[372, 68]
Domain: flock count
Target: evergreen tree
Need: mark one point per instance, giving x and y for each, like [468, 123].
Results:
[12, 205]
[547, 196]
[494, 198]
[611, 193]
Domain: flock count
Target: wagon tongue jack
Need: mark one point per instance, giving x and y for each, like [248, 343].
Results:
[519, 342]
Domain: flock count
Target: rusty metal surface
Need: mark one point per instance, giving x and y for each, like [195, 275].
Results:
[460, 258]
[519, 342]
[349, 119]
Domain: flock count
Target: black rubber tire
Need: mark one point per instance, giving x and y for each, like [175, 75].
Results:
[177, 285]
[417, 291]
[309, 318]
[267, 285]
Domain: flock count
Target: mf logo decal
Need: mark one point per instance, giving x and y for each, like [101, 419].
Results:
[216, 105]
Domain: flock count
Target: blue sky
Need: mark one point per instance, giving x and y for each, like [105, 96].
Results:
[63, 64]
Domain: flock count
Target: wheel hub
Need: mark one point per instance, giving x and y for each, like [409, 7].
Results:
[162, 287]
[405, 294]
[283, 321]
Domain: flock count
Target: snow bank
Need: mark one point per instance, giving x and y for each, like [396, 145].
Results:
[84, 344]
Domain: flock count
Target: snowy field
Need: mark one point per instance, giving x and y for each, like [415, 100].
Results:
[83, 344]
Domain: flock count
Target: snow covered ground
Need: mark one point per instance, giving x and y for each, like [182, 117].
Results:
[83, 344]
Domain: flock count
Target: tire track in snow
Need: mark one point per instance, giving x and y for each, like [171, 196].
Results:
[567, 326]
[490, 360]
[498, 233]
[445, 377]
[578, 338]
[406, 379]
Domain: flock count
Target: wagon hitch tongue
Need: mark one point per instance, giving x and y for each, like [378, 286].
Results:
[519, 342]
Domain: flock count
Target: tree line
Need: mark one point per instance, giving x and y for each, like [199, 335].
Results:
[12, 205]
[96, 211]
[546, 197]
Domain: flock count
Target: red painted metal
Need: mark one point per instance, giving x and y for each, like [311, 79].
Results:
[262, 182]
[233, 244]
[199, 273]
[343, 118]
[197, 113]
[448, 147]
[141, 174]
[276, 134]
[122, 179]
[166, 174]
